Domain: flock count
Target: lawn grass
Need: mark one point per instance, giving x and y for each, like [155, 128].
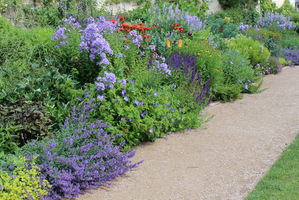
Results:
[281, 182]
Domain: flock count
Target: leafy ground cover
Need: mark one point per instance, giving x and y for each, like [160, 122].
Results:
[77, 93]
[282, 179]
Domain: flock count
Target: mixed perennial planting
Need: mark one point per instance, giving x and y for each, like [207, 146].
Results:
[78, 94]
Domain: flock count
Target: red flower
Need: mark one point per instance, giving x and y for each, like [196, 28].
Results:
[125, 130]
[222, 29]
[182, 31]
[160, 28]
[154, 25]
[140, 24]
[126, 118]
[147, 130]
[148, 40]
[112, 20]
[120, 17]
[123, 21]
[138, 123]
[155, 52]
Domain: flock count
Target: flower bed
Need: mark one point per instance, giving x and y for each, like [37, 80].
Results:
[76, 99]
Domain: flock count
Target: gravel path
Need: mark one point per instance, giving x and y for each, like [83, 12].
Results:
[224, 159]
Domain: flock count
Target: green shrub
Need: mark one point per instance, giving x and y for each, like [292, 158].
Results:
[142, 112]
[254, 50]
[28, 120]
[283, 62]
[23, 181]
[225, 30]
[286, 9]
[272, 66]
[295, 17]
[208, 61]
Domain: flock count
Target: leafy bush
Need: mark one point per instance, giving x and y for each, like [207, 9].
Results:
[237, 70]
[272, 66]
[292, 54]
[225, 30]
[254, 50]
[239, 15]
[23, 181]
[226, 4]
[286, 9]
[141, 110]
[81, 156]
[30, 119]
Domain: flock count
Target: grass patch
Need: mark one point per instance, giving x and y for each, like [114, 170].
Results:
[281, 182]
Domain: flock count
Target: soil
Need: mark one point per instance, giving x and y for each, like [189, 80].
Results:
[222, 160]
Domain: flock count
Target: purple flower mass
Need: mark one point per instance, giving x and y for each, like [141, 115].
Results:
[82, 156]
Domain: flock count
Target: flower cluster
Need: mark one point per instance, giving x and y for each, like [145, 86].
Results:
[173, 15]
[158, 63]
[81, 156]
[275, 19]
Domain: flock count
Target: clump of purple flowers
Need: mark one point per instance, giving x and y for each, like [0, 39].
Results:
[170, 15]
[272, 66]
[81, 156]
[92, 40]
[275, 20]
[186, 64]
[158, 63]
[292, 54]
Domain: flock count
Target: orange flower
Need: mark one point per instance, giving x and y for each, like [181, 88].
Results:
[217, 70]
[168, 43]
[219, 55]
[180, 43]
[210, 55]
[120, 17]
[198, 54]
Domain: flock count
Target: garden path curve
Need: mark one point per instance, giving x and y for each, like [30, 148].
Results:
[225, 158]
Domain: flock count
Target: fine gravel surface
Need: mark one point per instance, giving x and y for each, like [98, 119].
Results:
[225, 158]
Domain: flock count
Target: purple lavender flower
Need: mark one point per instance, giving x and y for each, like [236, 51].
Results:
[137, 102]
[123, 92]
[101, 97]
[151, 130]
[116, 99]
[156, 94]
[127, 47]
[189, 128]
[126, 98]
[246, 86]
[132, 81]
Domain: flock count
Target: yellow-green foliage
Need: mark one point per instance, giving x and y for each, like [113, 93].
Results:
[26, 180]
[254, 50]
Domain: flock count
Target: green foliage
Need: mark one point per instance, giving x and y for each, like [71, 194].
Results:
[150, 110]
[281, 180]
[22, 181]
[248, 4]
[272, 66]
[27, 120]
[8, 140]
[225, 30]
[286, 9]
[238, 15]
[283, 61]
[254, 50]
[268, 6]
[227, 93]
[208, 60]
[295, 17]
[290, 41]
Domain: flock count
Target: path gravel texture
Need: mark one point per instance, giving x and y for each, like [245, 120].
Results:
[225, 158]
